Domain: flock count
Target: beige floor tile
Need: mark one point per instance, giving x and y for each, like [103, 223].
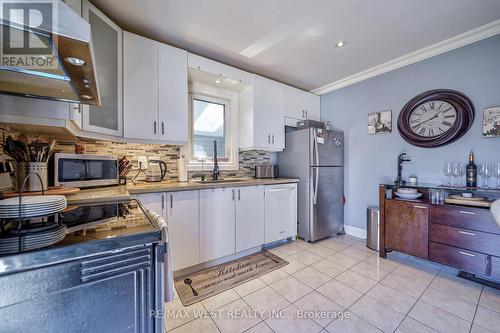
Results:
[236, 317]
[490, 298]
[363, 248]
[311, 277]
[289, 249]
[347, 239]
[410, 325]
[291, 288]
[177, 314]
[277, 252]
[328, 267]
[378, 315]
[293, 323]
[319, 308]
[415, 274]
[293, 266]
[321, 251]
[450, 303]
[392, 298]
[249, 287]
[478, 329]
[404, 285]
[200, 325]
[453, 285]
[221, 299]
[274, 276]
[351, 324]
[355, 252]
[333, 244]
[266, 301]
[438, 319]
[371, 271]
[260, 328]
[340, 293]
[424, 265]
[305, 257]
[355, 280]
[342, 259]
[487, 319]
[303, 244]
[385, 264]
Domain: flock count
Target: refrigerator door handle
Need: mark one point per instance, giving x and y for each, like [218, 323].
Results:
[316, 169]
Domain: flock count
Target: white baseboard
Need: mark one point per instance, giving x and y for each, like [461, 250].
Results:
[355, 231]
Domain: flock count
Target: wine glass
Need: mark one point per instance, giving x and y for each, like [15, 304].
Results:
[448, 171]
[463, 169]
[455, 171]
[496, 172]
[485, 171]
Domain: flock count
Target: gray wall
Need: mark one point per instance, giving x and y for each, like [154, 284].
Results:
[371, 159]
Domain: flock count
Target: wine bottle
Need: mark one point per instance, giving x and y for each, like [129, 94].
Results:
[471, 171]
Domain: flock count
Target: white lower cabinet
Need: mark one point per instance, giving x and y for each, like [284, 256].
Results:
[217, 227]
[184, 228]
[249, 217]
[280, 212]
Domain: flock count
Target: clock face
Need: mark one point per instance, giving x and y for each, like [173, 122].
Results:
[432, 118]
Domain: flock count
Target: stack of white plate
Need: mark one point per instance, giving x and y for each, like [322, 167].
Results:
[33, 206]
[32, 239]
[408, 193]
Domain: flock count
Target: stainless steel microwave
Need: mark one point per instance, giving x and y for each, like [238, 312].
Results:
[78, 170]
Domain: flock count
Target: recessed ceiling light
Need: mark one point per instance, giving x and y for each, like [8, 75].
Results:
[340, 43]
[86, 81]
[75, 61]
[87, 97]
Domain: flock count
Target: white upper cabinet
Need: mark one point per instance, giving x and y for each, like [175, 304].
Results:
[216, 68]
[262, 124]
[173, 89]
[249, 217]
[155, 90]
[140, 87]
[107, 47]
[300, 105]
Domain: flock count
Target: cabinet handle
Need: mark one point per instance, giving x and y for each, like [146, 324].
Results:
[466, 212]
[171, 201]
[239, 197]
[269, 138]
[420, 207]
[162, 202]
[306, 113]
[467, 254]
[273, 138]
[233, 194]
[466, 233]
[303, 114]
[162, 128]
[154, 127]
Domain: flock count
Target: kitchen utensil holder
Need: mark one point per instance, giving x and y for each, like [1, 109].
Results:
[39, 168]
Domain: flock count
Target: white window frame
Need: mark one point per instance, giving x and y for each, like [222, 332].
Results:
[230, 101]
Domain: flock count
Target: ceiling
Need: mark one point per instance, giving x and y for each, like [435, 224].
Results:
[294, 41]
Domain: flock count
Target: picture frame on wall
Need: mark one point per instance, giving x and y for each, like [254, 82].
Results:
[380, 122]
[491, 122]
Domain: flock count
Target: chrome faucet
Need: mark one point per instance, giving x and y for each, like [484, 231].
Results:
[399, 180]
[215, 171]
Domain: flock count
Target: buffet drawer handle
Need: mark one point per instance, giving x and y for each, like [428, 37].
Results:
[466, 212]
[421, 207]
[466, 254]
[467, 233]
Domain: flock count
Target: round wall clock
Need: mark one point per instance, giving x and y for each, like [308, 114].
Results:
[436, 118]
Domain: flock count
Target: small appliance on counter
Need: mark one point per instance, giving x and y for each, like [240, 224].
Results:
[156, 171]
[266, 171]
[78, 170]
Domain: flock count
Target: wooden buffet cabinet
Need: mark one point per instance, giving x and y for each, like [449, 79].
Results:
[459, 236]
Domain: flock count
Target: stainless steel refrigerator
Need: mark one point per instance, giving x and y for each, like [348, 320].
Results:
[316, 156]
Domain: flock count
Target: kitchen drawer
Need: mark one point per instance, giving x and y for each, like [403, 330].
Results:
[465, 260]
[479, 219]
[467, 239]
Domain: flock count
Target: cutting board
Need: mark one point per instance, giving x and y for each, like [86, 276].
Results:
[465, 202]
[56, 190]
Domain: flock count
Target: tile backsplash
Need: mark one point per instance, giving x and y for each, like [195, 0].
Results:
[167, 153]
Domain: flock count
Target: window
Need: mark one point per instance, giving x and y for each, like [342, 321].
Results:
[208, 126]
[212, 117]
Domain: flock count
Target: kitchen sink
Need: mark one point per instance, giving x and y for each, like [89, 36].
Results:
[218, 181]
